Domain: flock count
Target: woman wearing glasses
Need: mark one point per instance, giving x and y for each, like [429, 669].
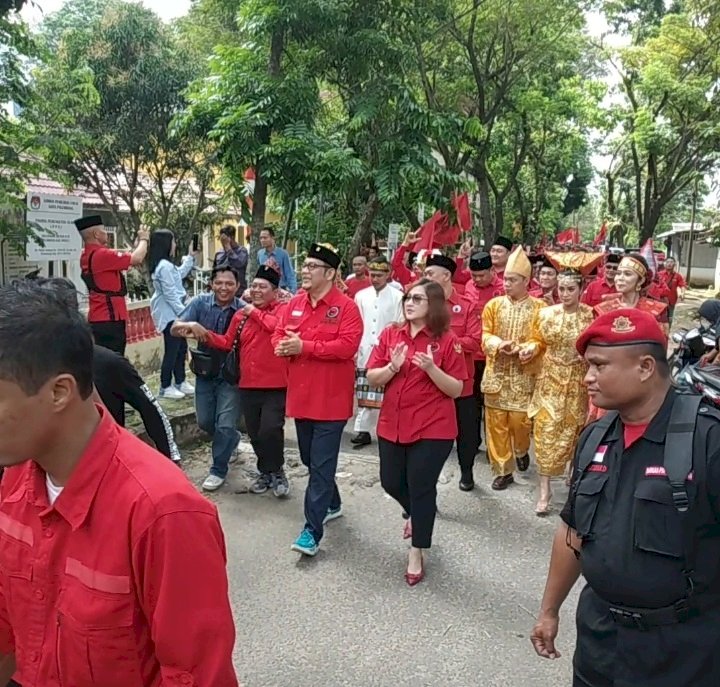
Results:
[421, 365]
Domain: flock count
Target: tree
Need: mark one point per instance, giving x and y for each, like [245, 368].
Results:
[669, 118]
[117, 140]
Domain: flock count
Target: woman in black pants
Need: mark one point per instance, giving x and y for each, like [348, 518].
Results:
[421, 365]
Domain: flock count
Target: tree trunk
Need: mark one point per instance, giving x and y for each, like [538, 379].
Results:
[363, 229]
[487, 227]
[611, 208]
[288, 223]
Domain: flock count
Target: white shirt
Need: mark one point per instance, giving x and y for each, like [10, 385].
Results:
[53, 490]
[378, 309]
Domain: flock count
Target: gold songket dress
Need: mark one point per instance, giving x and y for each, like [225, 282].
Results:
[507, 384]
[559, 404]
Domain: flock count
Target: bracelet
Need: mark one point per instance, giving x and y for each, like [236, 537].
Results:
[393, 369]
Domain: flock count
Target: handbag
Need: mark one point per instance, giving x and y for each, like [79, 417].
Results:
[367, 396]
[204, 364]
[231, 367]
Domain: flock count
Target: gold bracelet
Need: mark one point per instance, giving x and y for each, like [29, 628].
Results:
[393, 369]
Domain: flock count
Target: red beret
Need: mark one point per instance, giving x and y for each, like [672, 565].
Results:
[624, 327]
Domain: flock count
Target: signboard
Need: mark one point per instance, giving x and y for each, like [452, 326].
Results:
[51, 218]
[393, 236]
[14, 266]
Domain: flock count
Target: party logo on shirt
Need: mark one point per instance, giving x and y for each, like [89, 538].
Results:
[457, 309]
[434, 347]
[332, 313]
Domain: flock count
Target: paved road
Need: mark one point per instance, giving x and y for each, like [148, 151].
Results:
[347, 618]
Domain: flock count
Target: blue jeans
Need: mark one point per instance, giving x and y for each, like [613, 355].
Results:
[319, 443]
[173, 362]
[217, 406]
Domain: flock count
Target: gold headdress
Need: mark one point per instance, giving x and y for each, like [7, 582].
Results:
[519, 263]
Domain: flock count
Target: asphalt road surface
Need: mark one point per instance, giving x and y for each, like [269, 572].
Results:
[347, 618]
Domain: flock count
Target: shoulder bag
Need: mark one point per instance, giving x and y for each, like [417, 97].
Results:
[231, 367]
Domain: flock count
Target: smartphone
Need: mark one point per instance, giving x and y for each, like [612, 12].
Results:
[196, 242]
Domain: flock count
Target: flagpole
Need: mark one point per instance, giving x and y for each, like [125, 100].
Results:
[693, 212]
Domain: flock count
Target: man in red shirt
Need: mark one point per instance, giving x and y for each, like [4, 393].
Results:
[499, 254]
[319, 332]
[482, 288]
[465, 324]
[360, 278]
[676, 285]
[112, 566]
[102, 271]
[603, 285]
[547, 281]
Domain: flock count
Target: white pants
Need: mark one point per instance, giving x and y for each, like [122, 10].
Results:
[366, 419]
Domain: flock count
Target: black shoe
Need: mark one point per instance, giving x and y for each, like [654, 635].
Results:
[467, 483]
[503, 482]
[523, 463]
[361, 439]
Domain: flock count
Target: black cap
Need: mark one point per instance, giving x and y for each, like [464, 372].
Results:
[268, 274]
[442, 261]
[503, 241]
[545, 262]
[412, 257]
[87, 222]
[613, 259]
[329, 257]
[536, 259]
[480, 261]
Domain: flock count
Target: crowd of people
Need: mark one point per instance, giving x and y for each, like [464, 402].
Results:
[427, 351]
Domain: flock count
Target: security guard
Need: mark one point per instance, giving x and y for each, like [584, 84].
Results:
[642, 522]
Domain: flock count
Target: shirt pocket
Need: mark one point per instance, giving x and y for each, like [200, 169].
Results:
[96, 641]
[16, 572]
[657, 527]
[587, 499]
[327, 331]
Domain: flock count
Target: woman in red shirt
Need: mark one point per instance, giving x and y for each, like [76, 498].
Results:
[421, 365]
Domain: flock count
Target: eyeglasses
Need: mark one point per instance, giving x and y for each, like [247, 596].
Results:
[313, 266]
[416, 298]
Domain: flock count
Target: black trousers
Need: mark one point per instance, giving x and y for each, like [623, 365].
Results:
[264, 411]
[173, 361]
[409, 473]
[110, 335]
[467, 438]
[479, 398]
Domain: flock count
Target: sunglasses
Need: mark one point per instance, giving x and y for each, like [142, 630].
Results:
[416, 298]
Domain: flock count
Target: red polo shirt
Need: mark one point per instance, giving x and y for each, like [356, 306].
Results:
[482, 295]
[597, 291]
[465, 323]
[321, 380]
[674, 281]
[107, 264]
[413, 407]
[260, 368]
[401, 273]
[121, 583]
[354, 285]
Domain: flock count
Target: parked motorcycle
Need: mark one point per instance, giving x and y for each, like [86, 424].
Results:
[690, 346]
[702, 380]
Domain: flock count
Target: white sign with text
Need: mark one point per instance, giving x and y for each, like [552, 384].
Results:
[52, 218]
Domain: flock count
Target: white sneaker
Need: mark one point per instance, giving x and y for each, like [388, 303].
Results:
[186, 388]
[212, 483]
[172, 393]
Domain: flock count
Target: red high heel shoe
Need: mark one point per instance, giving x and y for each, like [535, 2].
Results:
[407, 530]
[415, 578]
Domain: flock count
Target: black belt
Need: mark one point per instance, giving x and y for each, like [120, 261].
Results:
[679, 612]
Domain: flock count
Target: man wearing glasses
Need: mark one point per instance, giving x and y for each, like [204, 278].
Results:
[319, 332]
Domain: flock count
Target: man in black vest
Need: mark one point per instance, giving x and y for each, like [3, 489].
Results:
[642, 522]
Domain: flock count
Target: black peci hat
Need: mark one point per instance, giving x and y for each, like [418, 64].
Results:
[88, 222]
[613, 259]
[480, 261]
[440, 260]
[268, 274]
[503, 241]
[328, 256]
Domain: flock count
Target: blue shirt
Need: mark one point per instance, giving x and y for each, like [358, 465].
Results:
[205, 310]
[168, 299]
[279, 259]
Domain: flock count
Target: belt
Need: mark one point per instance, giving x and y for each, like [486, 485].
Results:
[679, 612]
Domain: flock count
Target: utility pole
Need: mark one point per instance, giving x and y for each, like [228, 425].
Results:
[693, 212]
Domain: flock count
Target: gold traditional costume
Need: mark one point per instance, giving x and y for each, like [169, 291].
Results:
[559, 403]
[507, 383]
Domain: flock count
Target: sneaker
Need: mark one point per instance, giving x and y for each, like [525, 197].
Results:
[280, 486]
[262, 483]
[171, 393]
[305, 544]
[213, 483]
[333, 514]
[186, 388]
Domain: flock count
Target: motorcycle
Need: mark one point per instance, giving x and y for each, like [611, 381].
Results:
[703, 380]
[690, 346]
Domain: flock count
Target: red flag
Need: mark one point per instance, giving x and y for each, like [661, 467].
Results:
[438, 231]
[647, 252]
[602, 235]
[570, 235]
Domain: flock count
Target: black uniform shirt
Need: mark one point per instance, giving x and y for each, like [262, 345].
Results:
[623, 509]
